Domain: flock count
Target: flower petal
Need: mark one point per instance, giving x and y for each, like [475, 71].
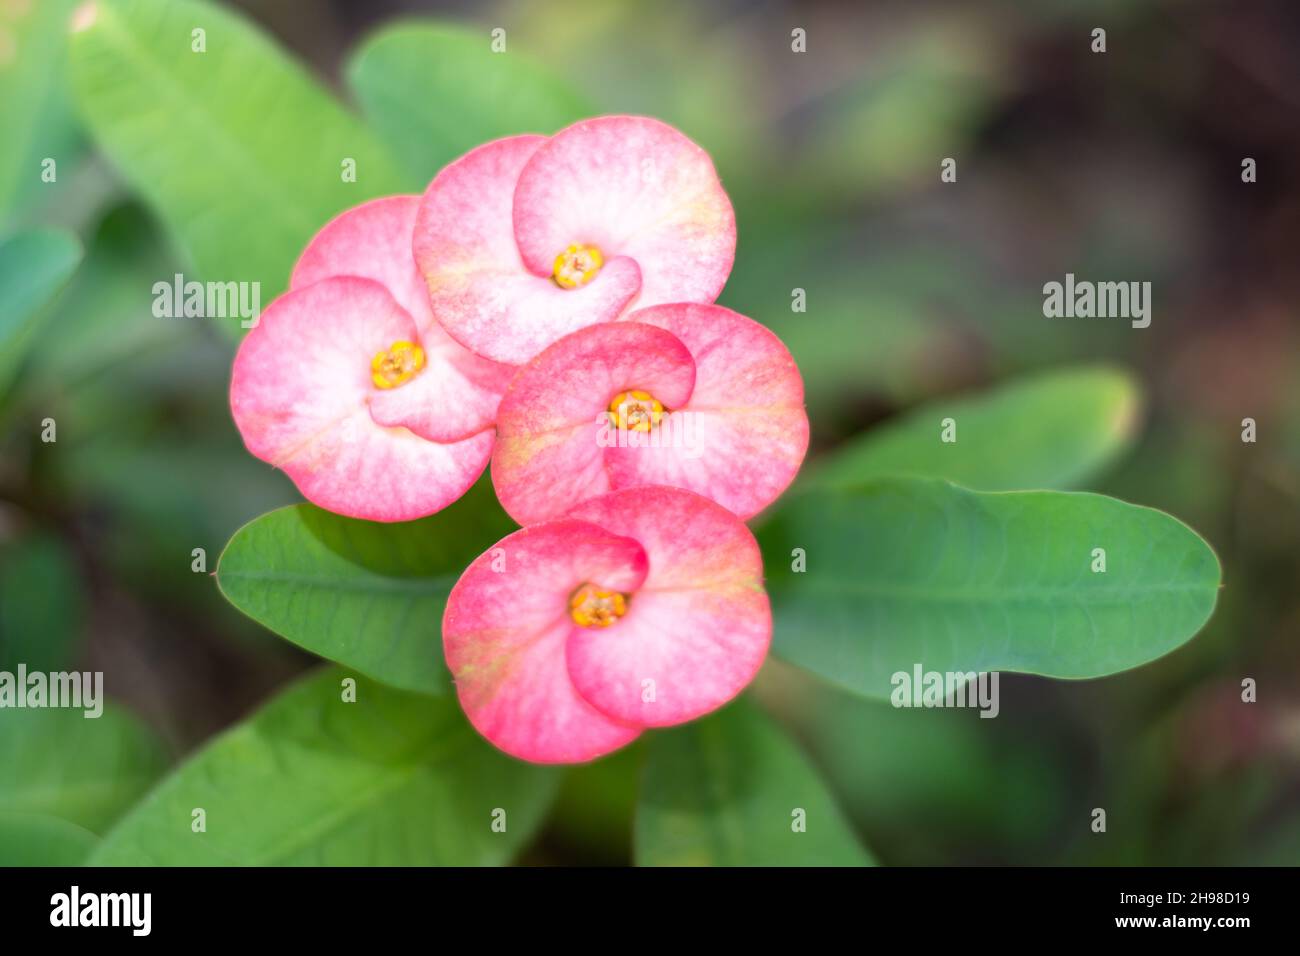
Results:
[298, 394]
[450, 400]
[456, 396]
[549, 454]
[504, 633]
[372, 241]
[480, 290]
[635, 187]
[699, 626]
[743, 435]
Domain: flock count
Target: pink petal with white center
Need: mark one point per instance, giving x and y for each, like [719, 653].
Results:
[744, 433]
[631, 186]
[371, 241]
[457, 394]
[504, 632]
[299, 392]
[449, 400]
[552, 421]
[480, 290]
[698, 628]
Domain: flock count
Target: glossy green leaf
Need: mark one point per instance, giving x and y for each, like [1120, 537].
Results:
[237, 148]
[390, 779]
[33, 268]
[733, 790]
[1048, 431]
[364, 594]
[617, 56]
[40, 603]
[435, 91]
[33, 839]
[85, 770]
[903, 572]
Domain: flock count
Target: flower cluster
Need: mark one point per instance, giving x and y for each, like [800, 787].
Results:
[547, 305]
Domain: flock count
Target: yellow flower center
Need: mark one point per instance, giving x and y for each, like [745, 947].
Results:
[577, 265]
[635, 411]
[592, 607]
[397, 365]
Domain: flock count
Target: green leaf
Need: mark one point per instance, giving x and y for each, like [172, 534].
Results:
[725, 791]
[392, 779]
[33, 268]
[435, 91]
[911, 571]
[33, 839]
[85, 770]
[1047, 431]
[40, 603]
[237, 148]
[39, 121]
[364, 594]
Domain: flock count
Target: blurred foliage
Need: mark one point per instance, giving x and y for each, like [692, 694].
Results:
[180, 127]
[1050, 431]
[33, 839]
[731, 790]
[36, 103]
[83, 770]
[934, 787]
[401, 76]
[33, 267]
[42, 607]
[1124, 166]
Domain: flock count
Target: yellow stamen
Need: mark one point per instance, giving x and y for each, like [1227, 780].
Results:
[635, 410]
[577, 265]
[397, 365]
[592, 607]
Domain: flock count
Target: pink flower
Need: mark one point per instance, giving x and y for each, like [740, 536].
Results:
[692, 396]
[642, 608]
[528, 238]
[349, 385]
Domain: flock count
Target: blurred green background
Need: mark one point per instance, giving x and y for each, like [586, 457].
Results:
[1124, 165]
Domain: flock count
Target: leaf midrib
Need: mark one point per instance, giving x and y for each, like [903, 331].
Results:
[430, 585]
[50, 796]
[919, 593]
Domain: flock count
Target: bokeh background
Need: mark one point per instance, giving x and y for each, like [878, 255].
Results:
[1124, 165]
